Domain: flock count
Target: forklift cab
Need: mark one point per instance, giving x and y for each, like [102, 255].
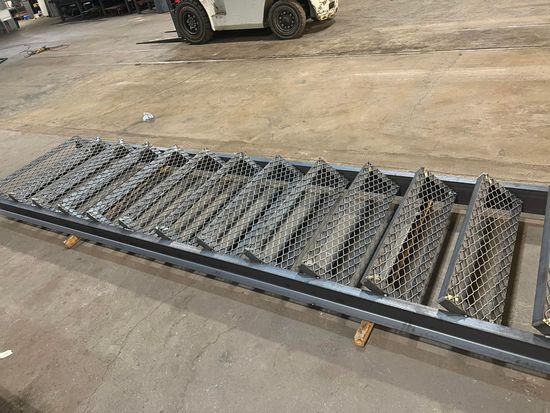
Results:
[197, 20]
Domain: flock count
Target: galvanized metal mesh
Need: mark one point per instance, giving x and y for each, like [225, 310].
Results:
[345, 242]
[51, 195]
[137, 186]
[479, 271]
[166, 200]
[546, 317]
[191, 215]
[23, 184]
[407, 254]
[279, 238]
[79, 201]
[226, 232]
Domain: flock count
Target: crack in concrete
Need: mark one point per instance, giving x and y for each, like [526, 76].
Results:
[431, 85]
[200, 354]
[123, 344]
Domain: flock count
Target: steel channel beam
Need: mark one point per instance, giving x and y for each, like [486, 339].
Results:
[541, 319]
[518, 348]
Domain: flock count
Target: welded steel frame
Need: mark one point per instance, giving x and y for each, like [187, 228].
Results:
[512, 346]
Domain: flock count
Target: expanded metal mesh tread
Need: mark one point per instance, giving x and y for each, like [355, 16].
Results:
[279, 238]
[478, 275]
[346, 240]
[122, 198]
[546, 312]
[404, 260]
[23, 184]
[166, 199]
[226, 232]
[51, 195]
[77, 202]
[203, 205]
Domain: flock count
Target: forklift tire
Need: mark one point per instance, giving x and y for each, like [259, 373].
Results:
[287, 19]
[192, 21]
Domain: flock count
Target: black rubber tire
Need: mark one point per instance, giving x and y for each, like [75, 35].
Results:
[287, 19]
[192, 21]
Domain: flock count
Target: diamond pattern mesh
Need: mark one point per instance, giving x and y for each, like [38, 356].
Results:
[189, 217]
[480, 271]
[51, 195]
[87, 195]
[281, 235]
[113, 205]
[23, 184]
[226, 232]
[346, 240]
[546, 318]
[166, 200]
[406, 256]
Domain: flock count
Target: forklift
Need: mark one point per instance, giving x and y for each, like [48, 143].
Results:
[197, 20]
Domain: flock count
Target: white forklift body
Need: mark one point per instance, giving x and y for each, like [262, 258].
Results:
[285, 17]
[251, 14]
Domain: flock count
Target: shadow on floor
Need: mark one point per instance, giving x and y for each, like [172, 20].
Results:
[10, 403]
[248, 35]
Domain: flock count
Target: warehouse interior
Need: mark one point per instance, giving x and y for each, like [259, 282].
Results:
[460, 88]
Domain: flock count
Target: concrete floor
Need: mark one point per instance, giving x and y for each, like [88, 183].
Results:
[459, 88]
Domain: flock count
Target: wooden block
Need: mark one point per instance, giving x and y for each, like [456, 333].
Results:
[363, 333]
[71, 241]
